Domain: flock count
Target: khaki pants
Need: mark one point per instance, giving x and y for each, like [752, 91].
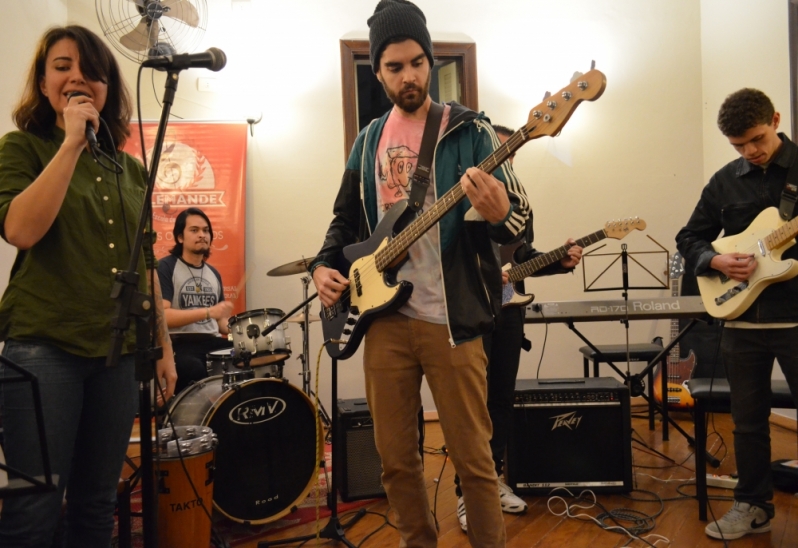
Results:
[398, 352]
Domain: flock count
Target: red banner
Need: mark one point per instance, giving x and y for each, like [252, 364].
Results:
[202, 165]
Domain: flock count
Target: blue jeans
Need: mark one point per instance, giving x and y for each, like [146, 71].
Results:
[748, 355]
[88, 416]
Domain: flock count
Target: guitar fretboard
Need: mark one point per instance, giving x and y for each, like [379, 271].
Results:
[782, 235]
[527, 268]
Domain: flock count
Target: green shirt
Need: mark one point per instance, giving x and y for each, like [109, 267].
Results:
[59, 291]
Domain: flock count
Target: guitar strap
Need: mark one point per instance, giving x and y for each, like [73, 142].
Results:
[790, 193]
[421, 176]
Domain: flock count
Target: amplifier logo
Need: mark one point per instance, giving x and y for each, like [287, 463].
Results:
[257, 410]
[567, 420]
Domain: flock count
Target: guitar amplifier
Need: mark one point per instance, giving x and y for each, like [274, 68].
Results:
[572, 433]
[359, 474]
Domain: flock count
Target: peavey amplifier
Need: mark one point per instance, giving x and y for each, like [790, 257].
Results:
[359, 475]
[572, 433]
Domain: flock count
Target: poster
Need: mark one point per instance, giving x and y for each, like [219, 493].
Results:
[203, 165]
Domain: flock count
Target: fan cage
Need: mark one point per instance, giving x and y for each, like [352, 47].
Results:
[118, 18]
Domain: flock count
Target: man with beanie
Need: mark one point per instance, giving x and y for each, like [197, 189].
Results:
[454, 270]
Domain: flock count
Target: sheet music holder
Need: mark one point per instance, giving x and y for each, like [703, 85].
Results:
[635, 382]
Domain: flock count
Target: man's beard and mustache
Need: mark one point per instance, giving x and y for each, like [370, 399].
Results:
[411, 103]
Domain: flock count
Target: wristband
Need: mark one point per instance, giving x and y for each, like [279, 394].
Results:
[207, 314]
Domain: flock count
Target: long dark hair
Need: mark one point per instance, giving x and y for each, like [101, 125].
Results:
[35, 114]
[180, 226]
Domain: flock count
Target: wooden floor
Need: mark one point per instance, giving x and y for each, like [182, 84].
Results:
[677, 519]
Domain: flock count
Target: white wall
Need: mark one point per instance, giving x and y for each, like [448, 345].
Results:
[636, 151]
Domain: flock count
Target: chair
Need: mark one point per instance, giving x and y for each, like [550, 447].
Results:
[719, 401]
[637, 353]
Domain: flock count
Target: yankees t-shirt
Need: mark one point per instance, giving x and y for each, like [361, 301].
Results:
[187, 287]
[397, 155]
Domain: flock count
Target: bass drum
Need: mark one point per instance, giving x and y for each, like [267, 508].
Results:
[266, 460]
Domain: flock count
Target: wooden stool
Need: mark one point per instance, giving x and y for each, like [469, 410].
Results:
[637, 353]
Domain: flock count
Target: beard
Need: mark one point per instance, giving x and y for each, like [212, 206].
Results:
[410, 97]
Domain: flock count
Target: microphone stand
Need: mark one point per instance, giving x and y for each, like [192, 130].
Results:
[131, 302]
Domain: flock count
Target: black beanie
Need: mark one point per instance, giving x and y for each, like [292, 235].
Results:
[394, 19]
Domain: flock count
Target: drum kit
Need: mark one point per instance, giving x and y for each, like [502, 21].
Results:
[269, 432]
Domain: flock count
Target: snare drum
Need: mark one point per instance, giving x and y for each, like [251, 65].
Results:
[270, 442]
[247, 328]
[220, 362]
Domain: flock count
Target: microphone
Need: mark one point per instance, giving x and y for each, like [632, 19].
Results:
[214, 59]
[91, 136]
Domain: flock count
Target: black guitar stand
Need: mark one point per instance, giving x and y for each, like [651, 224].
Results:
[636, 382]
[334, 530]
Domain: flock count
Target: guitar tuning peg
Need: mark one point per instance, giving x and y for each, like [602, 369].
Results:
[546, 95]
[592, 64]
[576, 76]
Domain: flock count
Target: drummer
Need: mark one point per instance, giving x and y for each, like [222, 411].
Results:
[194, 305]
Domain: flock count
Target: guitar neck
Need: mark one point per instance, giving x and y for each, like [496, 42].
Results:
[426, 220]
[675, 353]
[782, 235]
[527, 268]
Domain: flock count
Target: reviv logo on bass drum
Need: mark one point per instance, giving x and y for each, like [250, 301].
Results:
[257, 410]
[267, 430]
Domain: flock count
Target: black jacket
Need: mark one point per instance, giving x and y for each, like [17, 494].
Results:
[732, 199]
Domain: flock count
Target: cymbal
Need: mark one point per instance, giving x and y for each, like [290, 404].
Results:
[300, 318]
[294, 267]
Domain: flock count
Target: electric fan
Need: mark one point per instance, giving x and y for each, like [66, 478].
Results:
[141, 29]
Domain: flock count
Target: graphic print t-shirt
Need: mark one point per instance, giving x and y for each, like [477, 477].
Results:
[188, 287]
[397, 155]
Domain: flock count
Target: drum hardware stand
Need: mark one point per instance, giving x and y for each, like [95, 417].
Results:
[130, 302]
[305, 356]
[635, 381]
[334, 530]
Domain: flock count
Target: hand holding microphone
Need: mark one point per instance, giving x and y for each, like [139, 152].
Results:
[93, 115]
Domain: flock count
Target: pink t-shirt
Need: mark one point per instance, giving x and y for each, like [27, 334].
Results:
[397, 155]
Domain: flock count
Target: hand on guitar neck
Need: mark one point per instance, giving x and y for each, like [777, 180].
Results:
[487, 194]
[737, 266]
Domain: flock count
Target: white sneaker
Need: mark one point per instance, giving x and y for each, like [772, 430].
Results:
[461, 514]
[739, 521]
[511, 503]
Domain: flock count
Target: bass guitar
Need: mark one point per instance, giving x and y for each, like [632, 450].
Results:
[766, 238]
[679, 371]
[373, 289]
[510, 297]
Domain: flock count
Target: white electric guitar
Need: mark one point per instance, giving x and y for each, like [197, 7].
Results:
[766, 238]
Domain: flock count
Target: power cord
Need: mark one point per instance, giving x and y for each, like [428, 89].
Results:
[642, 523]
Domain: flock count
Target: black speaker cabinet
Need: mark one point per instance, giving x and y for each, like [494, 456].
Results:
[572, 433]
[359, 474]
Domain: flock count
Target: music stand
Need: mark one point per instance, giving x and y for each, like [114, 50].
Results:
[635, 381]
[334, 530]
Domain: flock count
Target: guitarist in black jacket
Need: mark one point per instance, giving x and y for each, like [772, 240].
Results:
[455, 273]
[768, 329]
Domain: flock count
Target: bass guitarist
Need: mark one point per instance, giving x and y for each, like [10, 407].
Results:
[455, 273]
[768, 329]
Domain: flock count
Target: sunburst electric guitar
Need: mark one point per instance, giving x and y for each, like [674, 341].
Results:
[679, 371]
[766, 238]
[373, 288]
[510, 297]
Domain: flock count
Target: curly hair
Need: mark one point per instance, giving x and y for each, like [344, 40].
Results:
[35, 114]
[743, 110]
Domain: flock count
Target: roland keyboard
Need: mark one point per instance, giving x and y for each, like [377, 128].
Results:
[600, 311]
